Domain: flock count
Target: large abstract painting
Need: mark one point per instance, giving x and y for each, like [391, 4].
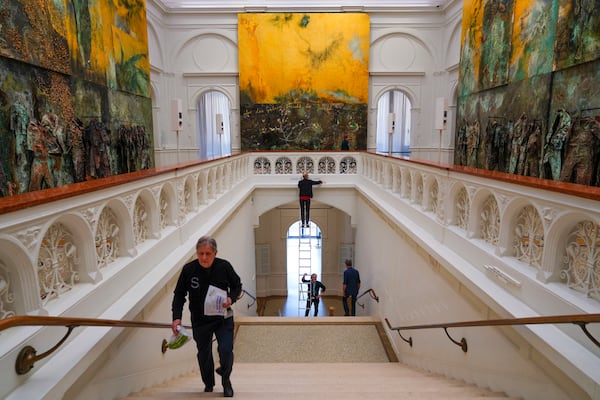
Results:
[529, 93]
[74, 92]
[303, 80]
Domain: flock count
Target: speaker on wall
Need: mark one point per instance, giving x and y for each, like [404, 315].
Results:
[219, 123]
[391, 122]
[441, 113]
[176, 115]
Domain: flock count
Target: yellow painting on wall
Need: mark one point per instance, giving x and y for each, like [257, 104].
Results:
[286, 58]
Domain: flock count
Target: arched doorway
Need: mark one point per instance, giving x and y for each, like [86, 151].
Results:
[304, 255]
[214, 129]
[393, 123]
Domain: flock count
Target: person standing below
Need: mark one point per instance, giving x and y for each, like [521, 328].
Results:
[305, 185]
[314, 287]
[195, 280]
[350, 287]
[346, 143]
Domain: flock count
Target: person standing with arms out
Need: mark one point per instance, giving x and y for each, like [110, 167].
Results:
[196, 277]
[314, 287]
[350, 287]
[305, 185]
[346, 143]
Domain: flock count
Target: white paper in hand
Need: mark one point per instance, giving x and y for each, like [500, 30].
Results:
[213, 305]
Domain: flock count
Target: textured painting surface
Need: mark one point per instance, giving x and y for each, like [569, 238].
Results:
[497, 18]
[74, 92]
[578, 32]
[532, 38]
[471, 38]
[303, 80]
[542, 118]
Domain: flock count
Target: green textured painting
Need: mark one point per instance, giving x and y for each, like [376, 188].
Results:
[528, 99]
[74, 92]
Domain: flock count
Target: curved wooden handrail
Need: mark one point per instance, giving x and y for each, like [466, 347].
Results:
[580, 320]
[28, 355]
[18, 320]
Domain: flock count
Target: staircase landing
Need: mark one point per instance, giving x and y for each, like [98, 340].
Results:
[313, 339]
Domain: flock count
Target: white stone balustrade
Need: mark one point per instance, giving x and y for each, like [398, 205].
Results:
[64, 257]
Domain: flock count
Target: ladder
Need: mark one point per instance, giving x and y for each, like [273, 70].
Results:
[304, 266]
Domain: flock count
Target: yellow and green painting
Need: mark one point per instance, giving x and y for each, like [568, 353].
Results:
[74, 83]
[532, 38]
[304, 80]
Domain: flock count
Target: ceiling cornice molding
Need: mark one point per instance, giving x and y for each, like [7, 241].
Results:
[279, 6]
[396, 73]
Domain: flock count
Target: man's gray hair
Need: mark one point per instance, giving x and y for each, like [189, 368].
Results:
[207, 241]
[348, 262]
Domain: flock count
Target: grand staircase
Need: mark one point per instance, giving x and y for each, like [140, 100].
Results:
[333, 358]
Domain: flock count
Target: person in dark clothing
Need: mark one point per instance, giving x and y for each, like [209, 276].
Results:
[195, 280]
[350, 288]
[314, 287]
[346, 143]
[305, 185]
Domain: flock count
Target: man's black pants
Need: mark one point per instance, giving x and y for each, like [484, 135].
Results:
[203, 330]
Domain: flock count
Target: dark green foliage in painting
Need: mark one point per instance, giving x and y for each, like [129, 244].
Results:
[130, 77]
[577, 33]
[302, 126]
[302, 121]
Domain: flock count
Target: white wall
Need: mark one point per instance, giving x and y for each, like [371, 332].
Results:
[414, 290]
[134, 359]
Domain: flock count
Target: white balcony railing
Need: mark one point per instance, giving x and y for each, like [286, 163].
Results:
[54, 254]
[49, 249]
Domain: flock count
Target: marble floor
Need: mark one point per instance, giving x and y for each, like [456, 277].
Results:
[292, 306]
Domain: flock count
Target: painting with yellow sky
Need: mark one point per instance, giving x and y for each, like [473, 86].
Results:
[305, 75]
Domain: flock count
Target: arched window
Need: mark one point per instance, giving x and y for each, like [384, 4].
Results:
[393, 123]
[214, 130]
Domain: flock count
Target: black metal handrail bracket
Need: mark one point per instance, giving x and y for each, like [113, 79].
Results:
[244, 291]
[409, 340]
[371, 293]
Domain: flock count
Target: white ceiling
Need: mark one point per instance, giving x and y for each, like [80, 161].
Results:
[295, 5]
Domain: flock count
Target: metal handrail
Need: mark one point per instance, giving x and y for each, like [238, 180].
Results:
[244, 291]
[370, 292]
[580, 320]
